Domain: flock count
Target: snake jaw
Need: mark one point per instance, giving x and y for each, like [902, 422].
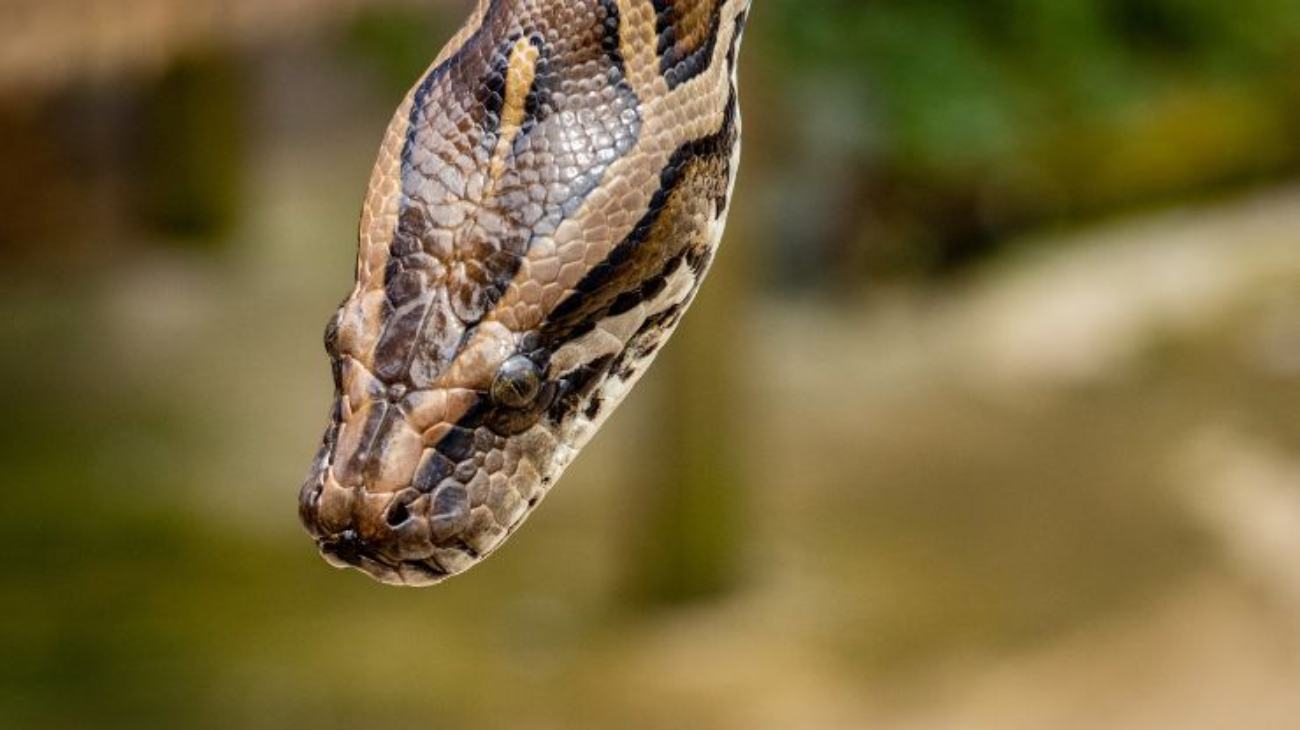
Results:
[348, 550]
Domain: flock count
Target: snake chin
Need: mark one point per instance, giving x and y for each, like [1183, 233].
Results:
[347, 550]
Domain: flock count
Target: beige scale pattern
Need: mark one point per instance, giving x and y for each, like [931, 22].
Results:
[543, 208]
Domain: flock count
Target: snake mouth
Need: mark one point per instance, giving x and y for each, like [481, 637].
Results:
[348, 550]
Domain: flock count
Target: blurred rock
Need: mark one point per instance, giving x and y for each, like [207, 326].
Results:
[1087, 309]
[1248, 493]
[1272, 344]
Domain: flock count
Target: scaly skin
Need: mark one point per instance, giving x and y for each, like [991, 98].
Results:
[544, 207]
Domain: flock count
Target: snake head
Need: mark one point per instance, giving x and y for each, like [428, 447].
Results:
[544, 207]
[412, 485]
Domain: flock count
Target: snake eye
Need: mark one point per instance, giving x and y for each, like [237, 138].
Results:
[517, 383]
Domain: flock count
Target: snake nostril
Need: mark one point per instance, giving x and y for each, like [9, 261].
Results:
[398, 514]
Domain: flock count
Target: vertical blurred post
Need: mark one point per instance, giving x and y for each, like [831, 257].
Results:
[691, 518]
[691, 502]
[191, 148]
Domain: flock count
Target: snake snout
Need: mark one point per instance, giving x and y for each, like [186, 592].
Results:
[386, 536]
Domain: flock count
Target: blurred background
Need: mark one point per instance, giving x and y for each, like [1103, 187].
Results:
[989, 415]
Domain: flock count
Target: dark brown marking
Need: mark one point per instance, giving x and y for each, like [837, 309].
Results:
[458, 445]
[688, 33]
[741, 20]
[576, 387]
[609, 42]
[449, 514]
[698, 173]
[471, 247]
[401, 332]
[358, 462]
[432, 471]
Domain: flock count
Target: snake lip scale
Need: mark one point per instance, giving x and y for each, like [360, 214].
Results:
[544, 206]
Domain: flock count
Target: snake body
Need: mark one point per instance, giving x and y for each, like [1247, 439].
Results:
[544, 206]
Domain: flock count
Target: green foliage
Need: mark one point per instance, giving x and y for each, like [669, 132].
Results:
[970, 82]
[397, 42]
[986, 118]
